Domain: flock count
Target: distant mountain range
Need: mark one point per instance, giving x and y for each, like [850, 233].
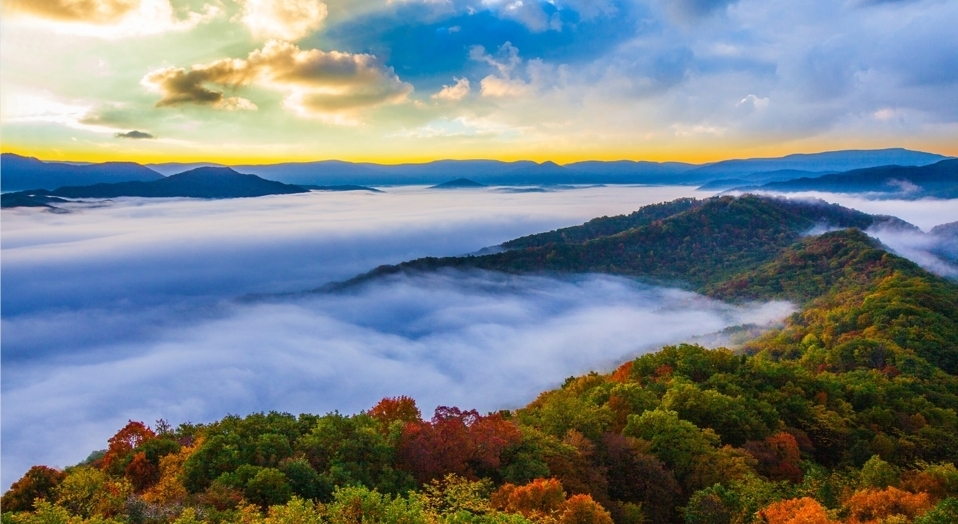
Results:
[938, 180]
[203, 182]
[21, 173]
[916, 175]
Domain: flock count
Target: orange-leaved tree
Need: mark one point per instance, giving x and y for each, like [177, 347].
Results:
[805, 510]
[874, 506]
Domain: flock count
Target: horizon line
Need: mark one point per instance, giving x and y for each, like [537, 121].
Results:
[446, 159]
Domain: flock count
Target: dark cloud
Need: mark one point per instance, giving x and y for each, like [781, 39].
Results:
[318, 82]
[135, 135]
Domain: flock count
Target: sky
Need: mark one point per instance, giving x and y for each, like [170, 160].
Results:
[259, 81]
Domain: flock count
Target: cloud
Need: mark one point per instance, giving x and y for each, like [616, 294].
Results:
[498, 87]
[754, 101]
[108, 18]
[283, 19]
[454, 92]
[91, 11]
[330, 85]
[921, 248]
[136, 135]
[504, 83]
[691, 9]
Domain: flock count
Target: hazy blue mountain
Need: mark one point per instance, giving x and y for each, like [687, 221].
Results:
[20, 172]
[203, 182]
[834, 161]
[762, 177]
[732, 173]
[172, 168]
[936, 180]
[459, 183]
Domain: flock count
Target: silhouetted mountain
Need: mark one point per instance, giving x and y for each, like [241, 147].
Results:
[763, 177]
[172, 168]
[20, 172]
[936, 180]
[203, 182]
[833, 161]
[459, 183]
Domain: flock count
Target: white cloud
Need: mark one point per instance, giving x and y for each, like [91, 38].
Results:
[499, 87]
[454, 92]
[754, 101]
[283, 19]
[107, 18]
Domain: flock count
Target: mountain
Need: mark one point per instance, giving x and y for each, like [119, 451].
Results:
[847, 410]
[459, 183]
[935, 180]
[722, 175]
[20, 172]
[172, 168]
[761, 177]
[695, 242]
[203, 182]
[833, 161]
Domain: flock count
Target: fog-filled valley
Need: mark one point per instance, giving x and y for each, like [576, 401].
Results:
[191, 309]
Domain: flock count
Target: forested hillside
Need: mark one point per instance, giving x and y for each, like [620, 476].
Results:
[847, 413]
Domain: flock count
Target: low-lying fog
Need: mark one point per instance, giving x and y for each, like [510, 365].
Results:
[129, 310]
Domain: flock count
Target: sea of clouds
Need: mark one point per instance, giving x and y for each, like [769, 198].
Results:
[189, 310]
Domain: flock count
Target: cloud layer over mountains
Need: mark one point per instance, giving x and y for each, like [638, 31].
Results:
[191, 309]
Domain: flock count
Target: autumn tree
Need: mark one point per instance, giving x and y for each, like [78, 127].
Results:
[805, 510]
[39, 482]
[392, 409]
[455, 441]
[873, 506]
[123, 443]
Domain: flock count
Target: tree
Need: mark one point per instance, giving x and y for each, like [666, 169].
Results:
[269, 487]
[124, 442]
[805, 510]
[87, 491]
[581, 509]
[39, 482]
[455, 441]
[876, 473]
[640, 478]
[872, 506]
[539, 500]
[778, 457]
[393, 409]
